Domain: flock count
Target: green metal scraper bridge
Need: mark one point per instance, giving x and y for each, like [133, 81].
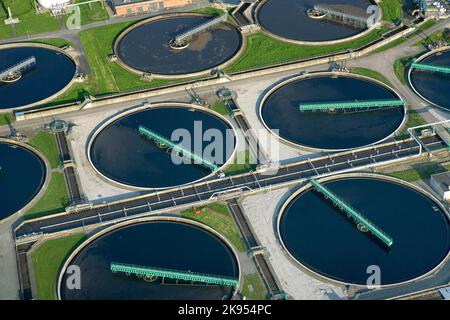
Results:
[358, 218]
[142, 271]
[163, 142]
[350, 105]
[431, 67]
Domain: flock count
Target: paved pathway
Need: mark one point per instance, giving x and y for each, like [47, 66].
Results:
[383, 62]
[9, 279]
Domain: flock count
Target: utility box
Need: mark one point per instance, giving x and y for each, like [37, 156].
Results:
[441, 184]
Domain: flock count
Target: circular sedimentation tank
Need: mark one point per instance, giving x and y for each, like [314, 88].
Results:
[291, 20]
[51, 74]
[319, 237]
[433, 87]
[119, 152]
[324, 130]
[146, 47]
[22, 173]
[177, 245]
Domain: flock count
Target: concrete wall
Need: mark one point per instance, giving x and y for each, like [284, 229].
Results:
[209, 82]
[48, 47]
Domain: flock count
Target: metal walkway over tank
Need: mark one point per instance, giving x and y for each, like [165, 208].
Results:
[337, 14]
[21, 67]
[358, 218]
[431, 67]
[207, 191]
[163, 142]
[348, 105]
[182, 38]
[421, 5]
[143, 271]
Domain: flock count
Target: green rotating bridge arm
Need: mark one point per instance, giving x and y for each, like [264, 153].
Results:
[431, 67]
[342, 105]
[357, 217]
[164, 142]
[145, 271]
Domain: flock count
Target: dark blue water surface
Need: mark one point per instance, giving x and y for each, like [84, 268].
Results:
[22, 174]
[318, 235]
[170, 245]
[53, 71]
[146, 48]
[288, 19]
[433, 86]
[325, 130]
[121, 153]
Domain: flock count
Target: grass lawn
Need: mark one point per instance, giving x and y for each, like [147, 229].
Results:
[420, 172]
[414, 119]
[440, 35]
[56, 42]
[391, 45]
[45, 142]
[6, 118]
[220, 107]
[54, 200]
[47, 261]
[239, 166]
[372, 74]
[400, 68]
[219, 218]
[401, 64]
[253, 288]
[426, 25]
[91, 12]
[210, 11]
[76, 92]
[263, 50]
[31, 23]
[110, 77]
[392, 9]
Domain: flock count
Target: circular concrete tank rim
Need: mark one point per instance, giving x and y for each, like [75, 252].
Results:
[125, 32]
[341, 176]
[315, 43]
[410, 70]
[329, 74]
[13, 45]
[160, 105]
[131, 222]
[45, 180]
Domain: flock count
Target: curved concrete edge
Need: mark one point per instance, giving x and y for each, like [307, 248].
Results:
[205, 72]
[329, 74]
[315, 43]
[410, 70]
[341, 176]
[45, 183]
[48, 47]
[114, 227]
[160, 105]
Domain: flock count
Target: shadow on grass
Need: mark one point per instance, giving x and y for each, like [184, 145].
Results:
[47, 212]
[425, 171]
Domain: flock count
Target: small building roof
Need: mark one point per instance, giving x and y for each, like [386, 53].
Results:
[126, 2]
[443, 179]
[445, 292]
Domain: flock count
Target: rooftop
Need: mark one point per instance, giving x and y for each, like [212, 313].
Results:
[443, 179]
[125, 2]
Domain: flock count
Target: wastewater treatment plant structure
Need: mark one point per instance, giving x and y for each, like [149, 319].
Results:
[235, 150]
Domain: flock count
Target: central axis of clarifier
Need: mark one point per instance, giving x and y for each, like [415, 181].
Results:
[358, 217]
[163, 142]
[348, 105]
[144, 271]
